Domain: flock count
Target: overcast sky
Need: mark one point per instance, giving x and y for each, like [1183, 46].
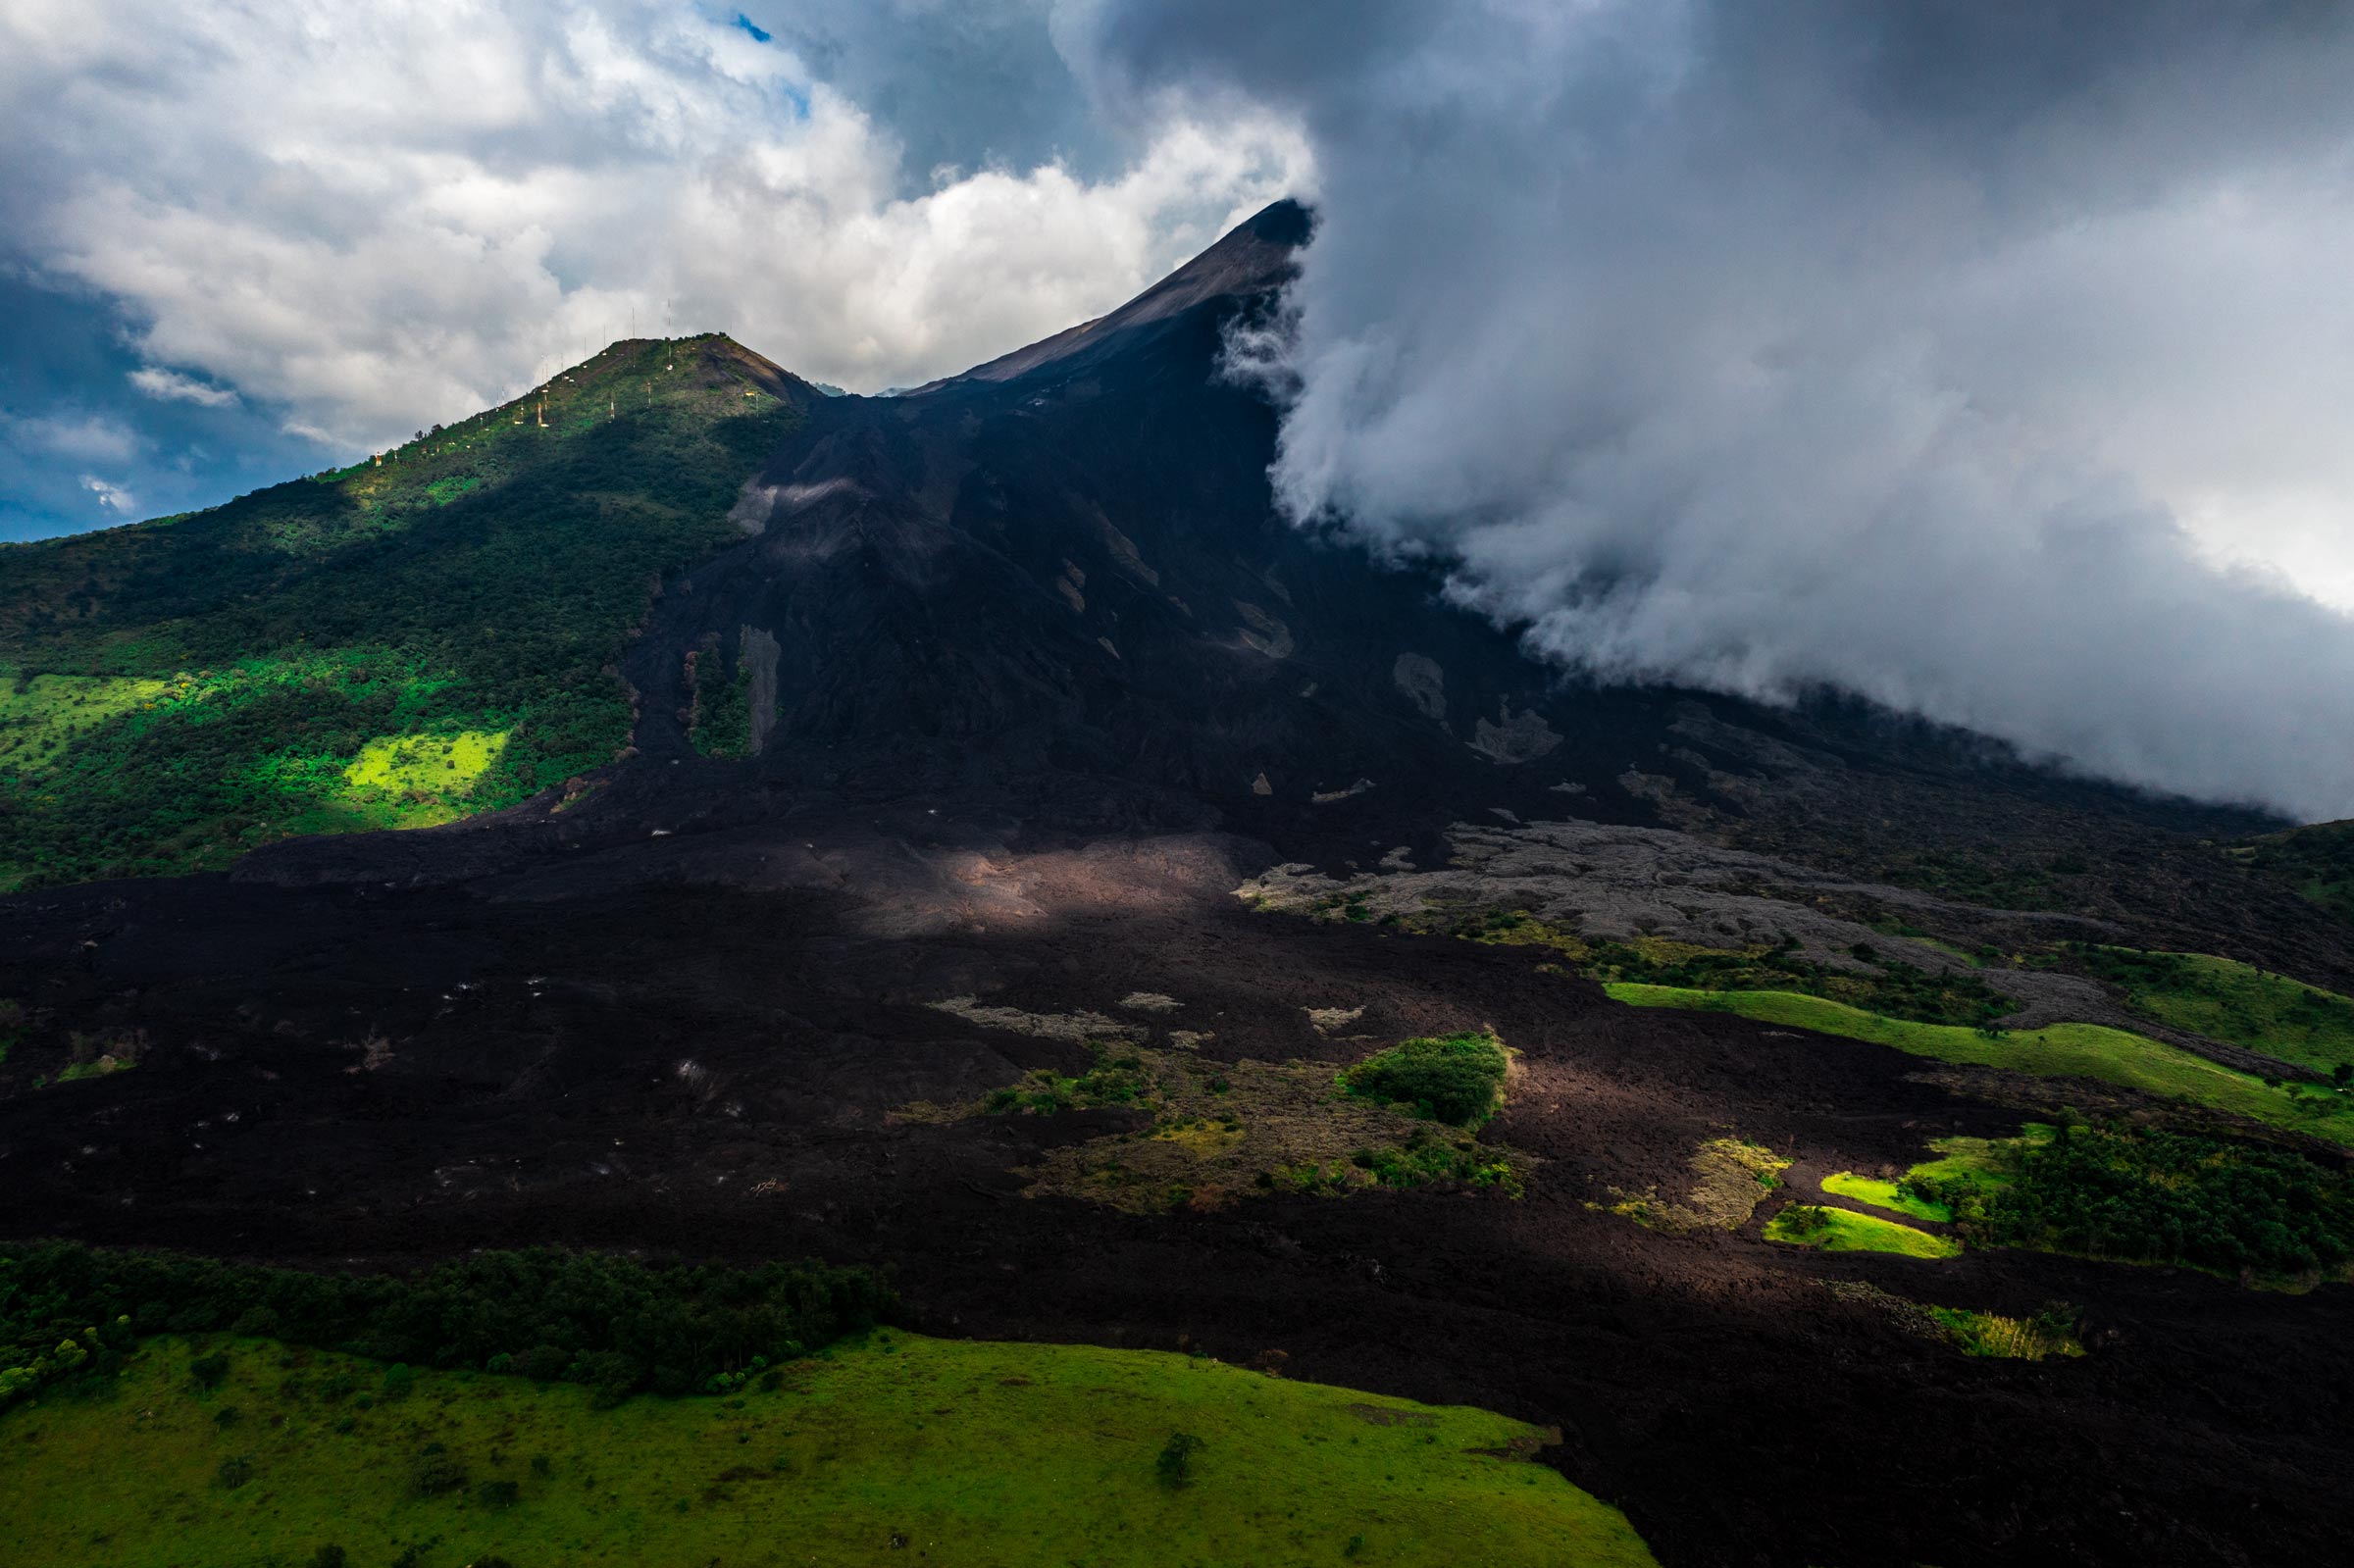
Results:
[1994, 361]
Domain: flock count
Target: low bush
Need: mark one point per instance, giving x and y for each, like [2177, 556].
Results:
[437, 1474]
[1456, 1078]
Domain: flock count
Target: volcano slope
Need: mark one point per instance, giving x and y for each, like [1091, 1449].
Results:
[1013, 829]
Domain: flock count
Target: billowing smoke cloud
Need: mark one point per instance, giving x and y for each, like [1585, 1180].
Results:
[1964, 356]
[375, 216]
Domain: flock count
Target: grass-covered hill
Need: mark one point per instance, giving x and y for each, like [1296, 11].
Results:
[423, 635]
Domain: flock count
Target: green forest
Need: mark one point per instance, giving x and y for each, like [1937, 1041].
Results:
[426, 633]
[615, 1324]
[2152, 1196]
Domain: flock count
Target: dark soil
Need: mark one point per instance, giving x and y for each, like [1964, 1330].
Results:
[712, 1070]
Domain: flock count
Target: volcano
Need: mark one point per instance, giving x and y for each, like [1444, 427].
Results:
[967, 832]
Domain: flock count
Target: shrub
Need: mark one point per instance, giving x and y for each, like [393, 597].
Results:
[1456, 1078]
[209, 1370]
[330, 1556]
[497, 1493]
[234, 1472]
[544, 1363]
[259, 1323]
[438, 1474]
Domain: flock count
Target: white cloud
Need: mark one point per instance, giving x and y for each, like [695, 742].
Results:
[113, 498]
[171, 386]
[384, 215]
[1989, 361]
[81, 437]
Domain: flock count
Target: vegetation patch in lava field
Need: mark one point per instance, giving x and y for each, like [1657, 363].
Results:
[2007, 1339]
[2049, 1332]
[1731, 1178]
[1872, 981]
[1219, 1132]
[2228, 1000]
[2148, 1195]
[2059, 1051]
[896, 1447]
[1456, 1079]
[1883, 1195]
[1833, 1230]
[2316, 860]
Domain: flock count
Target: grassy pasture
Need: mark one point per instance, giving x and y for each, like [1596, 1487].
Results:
[2228, 1000]
[1842, 1231]
[2062, 1050]
[896, 1450]
[1885, 1196]
[41, 714]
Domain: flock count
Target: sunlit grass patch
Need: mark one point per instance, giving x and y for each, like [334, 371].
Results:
[1840, 1231]
[2061, 1050]
[1979, 1160]
[898, 1448]
[439, 764]
[1884, 1195]
[41, 715]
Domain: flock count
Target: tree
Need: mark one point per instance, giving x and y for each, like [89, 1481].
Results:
[1175, 1466]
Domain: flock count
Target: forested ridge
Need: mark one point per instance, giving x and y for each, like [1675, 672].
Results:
[616, 1324]
[423, 635]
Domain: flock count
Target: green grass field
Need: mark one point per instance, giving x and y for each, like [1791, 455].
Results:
[900, 1449]
[2062, 1050]
[40, 715]
[1975, 1158]
[1842, 1231]
[2224, 999]
[1884, 1195]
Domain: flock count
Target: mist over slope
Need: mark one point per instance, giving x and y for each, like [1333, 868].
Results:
[1893, 350]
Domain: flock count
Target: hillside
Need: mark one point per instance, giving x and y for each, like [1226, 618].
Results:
[428, 633]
